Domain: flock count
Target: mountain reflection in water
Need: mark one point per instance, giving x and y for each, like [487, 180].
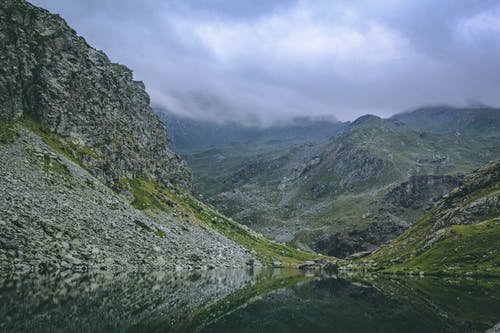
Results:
[247, 300]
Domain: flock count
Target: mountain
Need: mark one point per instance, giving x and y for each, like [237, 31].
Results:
[88, 177]
[459, 236]
[479, 121]
[359, 189]
[190, 135]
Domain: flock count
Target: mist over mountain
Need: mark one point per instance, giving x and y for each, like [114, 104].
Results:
[188, 135]
[271, 61]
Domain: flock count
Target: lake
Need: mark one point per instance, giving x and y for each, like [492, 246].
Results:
[246, 300]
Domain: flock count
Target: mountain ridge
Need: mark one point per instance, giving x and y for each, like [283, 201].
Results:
[335, 196]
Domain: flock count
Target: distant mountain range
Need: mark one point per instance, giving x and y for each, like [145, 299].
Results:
[479, 121]
[340, 188]
[188, 135]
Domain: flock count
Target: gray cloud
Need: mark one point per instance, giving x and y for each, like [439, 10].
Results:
[266, 61]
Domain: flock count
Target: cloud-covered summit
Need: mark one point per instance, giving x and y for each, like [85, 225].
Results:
[266, 61]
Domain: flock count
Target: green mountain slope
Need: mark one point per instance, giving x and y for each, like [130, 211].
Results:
[460, 236]
[358, 190]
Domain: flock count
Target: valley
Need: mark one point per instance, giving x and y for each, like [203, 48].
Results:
[350, 190]
[100, 180]
[213, 187]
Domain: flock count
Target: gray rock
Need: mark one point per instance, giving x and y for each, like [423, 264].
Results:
[307, 265]
[96, 109]
[494, 329]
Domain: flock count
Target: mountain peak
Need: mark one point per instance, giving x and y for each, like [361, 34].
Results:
[367, 119]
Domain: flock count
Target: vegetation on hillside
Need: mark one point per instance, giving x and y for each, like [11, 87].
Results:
[149, 196]
[339, 197]
[459, 236]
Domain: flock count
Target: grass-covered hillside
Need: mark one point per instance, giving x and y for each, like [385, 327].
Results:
[363, 187]
[460, 236]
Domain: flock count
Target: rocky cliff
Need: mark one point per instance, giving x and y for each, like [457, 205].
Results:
[51, 75]
[87, 176]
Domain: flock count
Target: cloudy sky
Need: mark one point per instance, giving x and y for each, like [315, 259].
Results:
[263, 61]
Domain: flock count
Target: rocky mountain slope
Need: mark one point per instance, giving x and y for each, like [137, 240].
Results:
[362, 188]
[88, 178]
[459, 236]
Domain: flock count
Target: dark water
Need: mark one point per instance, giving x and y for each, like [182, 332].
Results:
[245, 301]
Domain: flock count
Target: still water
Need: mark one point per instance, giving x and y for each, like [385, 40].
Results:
[245, 301]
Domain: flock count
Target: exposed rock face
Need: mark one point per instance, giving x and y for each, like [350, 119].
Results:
[73, 128]
[454, 210]
[356, 240]
[351, 169]
[49, 73]
[421, 191]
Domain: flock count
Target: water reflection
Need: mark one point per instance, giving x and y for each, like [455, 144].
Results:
[244, 301]
[379, 305]
[131, 301]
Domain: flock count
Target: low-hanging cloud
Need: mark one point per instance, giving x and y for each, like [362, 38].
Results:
[262, 61]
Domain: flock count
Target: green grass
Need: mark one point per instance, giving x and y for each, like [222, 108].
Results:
[73, 152]
[53, 165]
[160, 233]
[151, 195]
[465, 249]
[406, 245]
[8, 131]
